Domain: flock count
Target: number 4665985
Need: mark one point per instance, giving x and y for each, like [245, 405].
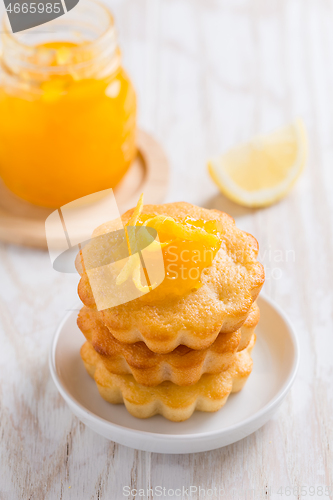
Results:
[32, 8]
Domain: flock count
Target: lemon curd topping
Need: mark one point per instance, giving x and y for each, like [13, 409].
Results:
[188, 247]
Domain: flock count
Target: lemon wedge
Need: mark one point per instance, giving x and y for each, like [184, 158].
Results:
[264, 170]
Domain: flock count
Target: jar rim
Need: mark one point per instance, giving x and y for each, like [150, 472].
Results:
[100, 44]
[86, 44]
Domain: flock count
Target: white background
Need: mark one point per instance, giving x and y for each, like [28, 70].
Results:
[209, 74]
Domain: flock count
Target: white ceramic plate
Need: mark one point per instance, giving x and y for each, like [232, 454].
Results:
[275, 362]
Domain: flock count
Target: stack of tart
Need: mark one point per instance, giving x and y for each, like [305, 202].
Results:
[185, 344]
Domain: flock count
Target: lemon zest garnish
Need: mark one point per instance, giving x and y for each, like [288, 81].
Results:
[130, 266]
[178, 230]
[148, 243]
[131, 241]
[137, 281]
[156, 221]
[136, 214]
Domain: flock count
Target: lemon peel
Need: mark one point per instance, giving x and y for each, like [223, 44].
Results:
[137, 281]
[132, 263]
[136, 214]
[132, 266]
[179, 230]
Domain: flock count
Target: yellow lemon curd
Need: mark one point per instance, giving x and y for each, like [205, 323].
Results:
[188, 247]
[68, 134]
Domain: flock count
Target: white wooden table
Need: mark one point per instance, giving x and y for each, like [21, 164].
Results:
[209, 74]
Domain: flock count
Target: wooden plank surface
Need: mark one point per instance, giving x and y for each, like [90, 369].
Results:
[209, 74]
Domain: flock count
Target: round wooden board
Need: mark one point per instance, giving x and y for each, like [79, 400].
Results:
[24, 224]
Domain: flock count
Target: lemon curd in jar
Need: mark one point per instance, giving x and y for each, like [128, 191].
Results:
[68, 109]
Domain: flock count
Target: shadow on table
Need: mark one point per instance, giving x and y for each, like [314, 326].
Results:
[220, 202]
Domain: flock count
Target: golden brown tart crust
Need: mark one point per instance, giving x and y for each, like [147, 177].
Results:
[183, 366]
[172, 401]
[229, 287]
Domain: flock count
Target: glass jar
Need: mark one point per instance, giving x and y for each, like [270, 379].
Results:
[67, 107]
